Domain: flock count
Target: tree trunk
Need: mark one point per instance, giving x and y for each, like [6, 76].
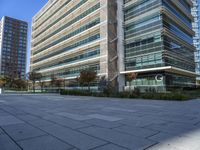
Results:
[42, 87]
[34, 87]
[89, 86]
[64, 84]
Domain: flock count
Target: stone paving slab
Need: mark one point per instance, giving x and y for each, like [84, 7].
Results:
[136, 131]
[88, 123]
[66, 122]
[104, 124]
[9, 120]
[141, 122]
[119, 109]
[13, 111]
[1, 131]
[182, 142]
[104, 117]
[22, 131]
[7, 144]
[75, 138]
[110, 147]
[74, 116]
[27, 117]
[4, 113]
[167, 128]
[41, 123]
[44, 143]
[165, 146]
[124, 140]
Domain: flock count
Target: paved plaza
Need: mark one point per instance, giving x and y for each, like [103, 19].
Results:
[54, 122]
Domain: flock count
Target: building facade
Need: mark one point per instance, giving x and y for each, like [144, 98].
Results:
[153, 38]
[70, 36]
[159, 43]
[13, 47]
[196, 39]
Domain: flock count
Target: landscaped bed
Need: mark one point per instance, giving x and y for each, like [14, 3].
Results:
[177, 95]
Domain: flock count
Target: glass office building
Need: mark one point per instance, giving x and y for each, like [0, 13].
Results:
[196, 39]
[114, 37]
[13, 47]
[159, 43]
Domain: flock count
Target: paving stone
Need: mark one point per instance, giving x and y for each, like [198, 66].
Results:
[44, 143]
[2, 101]
[181, 142]
[162, 146]
[141, 132]
[124, 140]
[110, 147]
[192, 134]
[74, 116]
[14, 111]
[119, 109]
[167, 117]
[27, 117]
[168, 129]
[188, 126]
[75, 138]
[178, 118]
[41, 123]
[161, 136]
[103, 123]
[66, 122]
[7, 144]
[9, 120]
[22, 131]
[104, 117]
[4, 114]
[1, 131]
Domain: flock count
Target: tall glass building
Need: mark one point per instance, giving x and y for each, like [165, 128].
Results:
[153, 38]
[196, 39]
[159, 43]
[13, 47]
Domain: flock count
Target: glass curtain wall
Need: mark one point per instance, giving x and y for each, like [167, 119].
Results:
[158, 33]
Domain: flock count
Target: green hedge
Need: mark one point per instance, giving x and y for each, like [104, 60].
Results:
[155, 96]
[75, 92]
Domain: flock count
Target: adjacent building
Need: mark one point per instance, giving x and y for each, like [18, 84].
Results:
[159, 43]
[13, 47]
[196, 39]
[153, 38]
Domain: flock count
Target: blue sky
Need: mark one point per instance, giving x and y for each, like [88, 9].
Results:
[23, 10]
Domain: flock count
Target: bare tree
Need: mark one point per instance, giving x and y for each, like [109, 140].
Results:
[33, 77]
[53, 80]
[103, 84]
[59, 82]
[130, 77]
[2, 82]
[87, 76]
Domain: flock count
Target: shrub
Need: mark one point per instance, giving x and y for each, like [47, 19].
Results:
[150, 95]
[166, 96]
[75, 92]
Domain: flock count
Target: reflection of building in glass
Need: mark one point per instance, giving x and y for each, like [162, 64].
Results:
[195, 13]
[152, 38]
[13, 47]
